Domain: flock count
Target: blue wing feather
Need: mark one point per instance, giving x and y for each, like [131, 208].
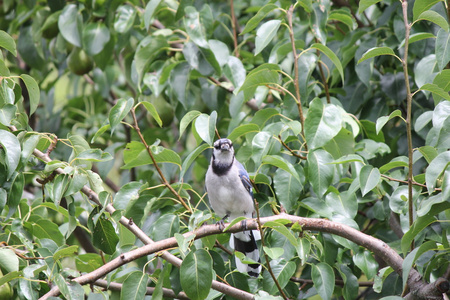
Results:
[245, 179]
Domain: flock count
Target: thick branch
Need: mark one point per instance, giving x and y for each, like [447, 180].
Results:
[377, 246]
[223, 288]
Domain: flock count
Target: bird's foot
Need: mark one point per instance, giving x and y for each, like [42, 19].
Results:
[244, 224]
[221, 223]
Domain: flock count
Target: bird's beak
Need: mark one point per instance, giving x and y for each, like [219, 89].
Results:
[225, 147]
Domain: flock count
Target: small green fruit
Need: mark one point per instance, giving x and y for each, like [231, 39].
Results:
[79, 62]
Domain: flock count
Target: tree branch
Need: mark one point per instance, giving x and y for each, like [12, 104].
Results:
[378, 247]
[408, 116]
[150, 153]
[218, 286]
[290, 13]
[115, 286]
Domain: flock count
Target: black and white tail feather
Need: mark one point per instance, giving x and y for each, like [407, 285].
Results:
[230, 195]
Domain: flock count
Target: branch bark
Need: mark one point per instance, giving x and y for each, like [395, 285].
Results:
[378, 247]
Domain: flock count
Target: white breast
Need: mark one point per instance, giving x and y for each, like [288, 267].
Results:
[227, 195]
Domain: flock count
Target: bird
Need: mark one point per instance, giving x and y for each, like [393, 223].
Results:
[230, 195]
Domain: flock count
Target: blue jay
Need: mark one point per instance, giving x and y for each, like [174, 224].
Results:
[230, 195]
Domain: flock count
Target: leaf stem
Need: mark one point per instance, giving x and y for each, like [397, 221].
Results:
[150, 153]
[269, 268]
[408, 116]
[289, 15]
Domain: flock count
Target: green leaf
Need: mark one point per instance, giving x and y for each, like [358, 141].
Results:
[196, 274]
[343, 16]
[150, 9]
[322, 123]
[422, 5]
[417, 37]
[323, 278]
[280, 162]
[365, 4]
[33, 91]
[442, 80]
[148, 50]
[320, 171]
[341, 144]
[125, 16]
[60, 185]
[428, 152]
[377, 51]
[420, 223]
[435, 169]
[7, 42]
[165, 227]
[333, 57]
[369, 177]
[46, 229]
[436, 18]
[380, 277]
[119, 111]
[7, 114]
[234, 70]
[265, 33]
[381, 121]
[136, 155]
[191, 158]
[153, 112]
[179, 80]
[263, 75]
[70, 251]
[256, 19]
[281, 228]
[206, 127]
[187, 119]
[303, 249]
[394, 164]
[8, 260]
[15, 193]
[126, 195]
[12, 149]
[194, 27]
[365, 261]
[95, 36]
[413, 256]
[104, 236]
[283, 271]
[274, 252]
[242, 130]
[287, 188]
[263, 115]
[135, 286]
[442, 49]
[95, 155]
[69, 24]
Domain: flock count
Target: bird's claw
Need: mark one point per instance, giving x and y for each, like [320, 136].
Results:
[244, 224]
[221, 223]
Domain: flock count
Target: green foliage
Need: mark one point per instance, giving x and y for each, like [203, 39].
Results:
[116, 104]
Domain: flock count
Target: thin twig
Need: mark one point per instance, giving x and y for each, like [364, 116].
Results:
[408, 117]
[115, 286]
[233, 26]
[290, 150]
[324, 79]
[406, 182]
[337, 281]
[150, 153]
[269, 268]
[290, 13]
